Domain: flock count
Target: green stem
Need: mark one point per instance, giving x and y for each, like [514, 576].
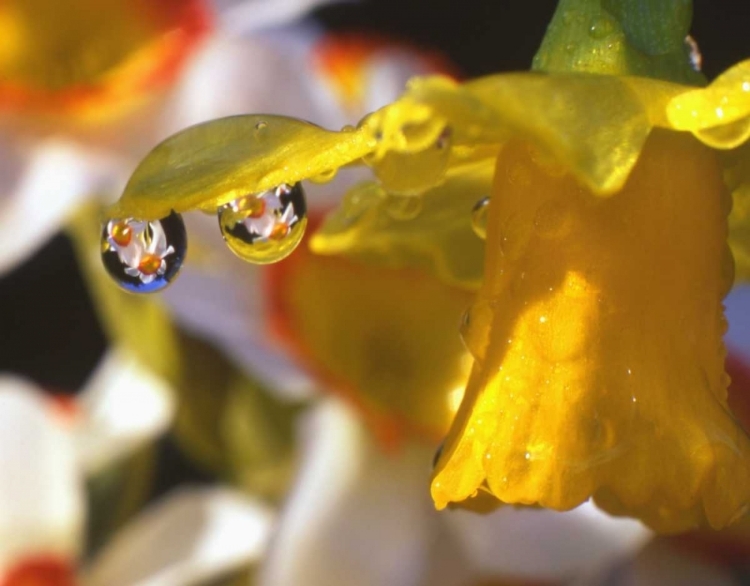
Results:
[620, 37]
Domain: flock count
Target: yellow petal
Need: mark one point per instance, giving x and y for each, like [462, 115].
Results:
[719, 114]
[433, 232]
[594, 125]
[598, 343]
[210, 164]
[737, 177]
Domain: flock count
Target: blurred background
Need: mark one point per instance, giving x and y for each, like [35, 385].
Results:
[56, 333]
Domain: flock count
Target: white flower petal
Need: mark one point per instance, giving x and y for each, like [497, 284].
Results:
[243, 16]
[57, 177]
[355, 516]
[123, 406]
[130, 256]
[661, 565]
[230, 76]
[261, 226]
[41, 494]
[189, 537]
[544, 544]
[387, 73]
[158, 244]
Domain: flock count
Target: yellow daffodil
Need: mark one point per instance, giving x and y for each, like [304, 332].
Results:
[597, 330]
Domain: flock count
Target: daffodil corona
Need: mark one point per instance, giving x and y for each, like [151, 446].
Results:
[597, 336]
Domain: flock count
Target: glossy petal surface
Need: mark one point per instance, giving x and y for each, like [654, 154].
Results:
[719, 114]
[214, 163]
[370, 226]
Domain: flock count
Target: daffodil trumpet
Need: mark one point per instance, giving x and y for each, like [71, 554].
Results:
[597, 330]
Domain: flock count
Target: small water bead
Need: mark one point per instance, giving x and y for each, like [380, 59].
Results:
[601, 27]
[324, 176]
[696, 58]
[479, 217]
[359, 200]
[403, 207]
[144, 256]
[263, 228]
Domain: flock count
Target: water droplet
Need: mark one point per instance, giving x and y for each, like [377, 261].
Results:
[601, 28]
[403, 207]
[479, 217]
[265, 227]
[359, 200]
[144, 256]
[696, 59]
[444, 140]
[324, 176]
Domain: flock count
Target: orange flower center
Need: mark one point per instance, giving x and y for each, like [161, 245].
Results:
[121, 233]
[43, 570]
[149, 264]
[253, 206]
[279, 231]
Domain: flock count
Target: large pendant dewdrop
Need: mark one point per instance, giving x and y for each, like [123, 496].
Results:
[144, 256]
[263, 228]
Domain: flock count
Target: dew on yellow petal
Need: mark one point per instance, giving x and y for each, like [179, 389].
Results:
[211, 164]
[719, 114]
[436, 235]
[598, 341]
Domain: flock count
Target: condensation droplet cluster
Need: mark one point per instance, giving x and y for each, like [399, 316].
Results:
[145, 256]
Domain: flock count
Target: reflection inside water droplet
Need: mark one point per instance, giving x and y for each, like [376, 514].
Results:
[479, 217]
[265, 227]
[144, 256]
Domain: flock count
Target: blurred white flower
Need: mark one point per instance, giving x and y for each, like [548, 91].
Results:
[53, 159]
[46, 449]
[360, 516]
